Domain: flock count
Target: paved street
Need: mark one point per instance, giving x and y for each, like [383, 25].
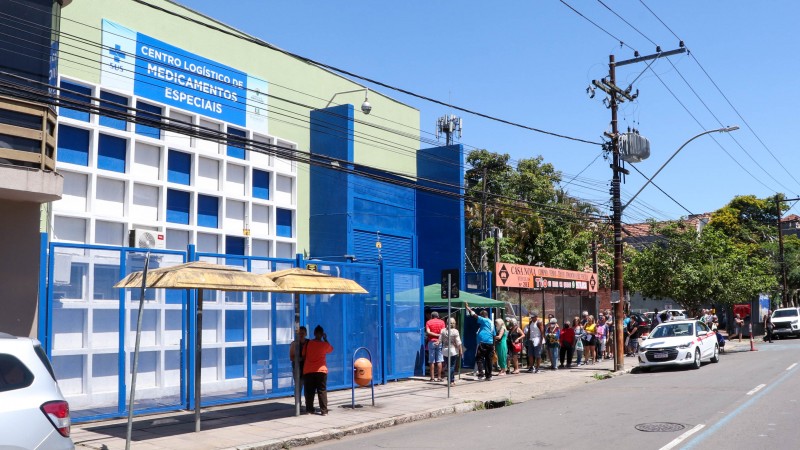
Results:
[748, 400]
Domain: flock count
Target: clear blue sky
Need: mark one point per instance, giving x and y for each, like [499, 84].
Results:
[531, 62]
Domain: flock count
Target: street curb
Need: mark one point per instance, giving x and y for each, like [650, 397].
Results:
[339, 433]
[317, 437]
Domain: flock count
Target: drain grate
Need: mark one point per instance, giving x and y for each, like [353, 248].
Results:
[663, 427]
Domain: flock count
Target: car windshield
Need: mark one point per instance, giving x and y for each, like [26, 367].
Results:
[672, 330]
[785, 313]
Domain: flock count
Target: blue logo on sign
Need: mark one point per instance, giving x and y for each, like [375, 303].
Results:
[117, 53]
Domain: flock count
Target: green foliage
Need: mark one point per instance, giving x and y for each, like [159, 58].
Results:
[540, 222]
[698, 268]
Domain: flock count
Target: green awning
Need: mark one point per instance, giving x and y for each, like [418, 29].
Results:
[433, 297]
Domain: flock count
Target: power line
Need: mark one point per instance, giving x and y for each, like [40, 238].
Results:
[714, 83]
[628, 23]
[21, 91]
[621, 42]
[259, 42]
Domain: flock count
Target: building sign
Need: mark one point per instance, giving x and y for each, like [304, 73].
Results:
[534, 277]
[137, 63]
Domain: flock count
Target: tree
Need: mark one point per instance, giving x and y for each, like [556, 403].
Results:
[541, 223]
[695, 269]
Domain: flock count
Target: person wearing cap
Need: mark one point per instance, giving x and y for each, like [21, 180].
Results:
[315, 370]
[485, 351]
[533, 343]
[551, 338]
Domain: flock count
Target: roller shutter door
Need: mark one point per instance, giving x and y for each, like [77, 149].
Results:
[396, 251]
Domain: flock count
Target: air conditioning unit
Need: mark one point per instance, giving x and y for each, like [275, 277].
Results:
[148, 239]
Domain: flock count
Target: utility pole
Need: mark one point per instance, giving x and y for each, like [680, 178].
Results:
[617, 285]
[617, 95]
[484, 262]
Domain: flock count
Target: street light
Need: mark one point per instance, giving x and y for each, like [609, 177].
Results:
[365, 107]
[618, 208]
[649, 180]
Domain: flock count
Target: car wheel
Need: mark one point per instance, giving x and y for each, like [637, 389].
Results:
[715, 358]
[696, 363]
[643, 369]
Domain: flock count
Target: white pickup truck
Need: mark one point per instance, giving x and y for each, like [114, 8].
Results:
[786, 322]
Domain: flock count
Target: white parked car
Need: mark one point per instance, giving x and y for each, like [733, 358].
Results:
[785, 322]
[677, 314]
[33, 412]
[681, 342]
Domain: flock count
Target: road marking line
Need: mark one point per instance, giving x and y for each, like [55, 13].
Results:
[756, 389]
[791, 367]
[682, 437]
[712, 429]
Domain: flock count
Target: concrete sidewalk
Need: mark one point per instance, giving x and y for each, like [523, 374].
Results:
[271, 424]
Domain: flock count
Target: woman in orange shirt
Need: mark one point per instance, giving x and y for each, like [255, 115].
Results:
[315, 371]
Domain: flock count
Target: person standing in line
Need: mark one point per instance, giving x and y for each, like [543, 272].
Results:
[302, 332]
[551, 337]
[451, 347]
[485, 350]
[515, 338]
[578, 330]
[601, 333]
[435, 358]
[584, 318]
[501, 345]
[567, 341]
[609, 346]
[768, 326]
[533, 343]
[737, 326]
[315, 370]
[589, 340]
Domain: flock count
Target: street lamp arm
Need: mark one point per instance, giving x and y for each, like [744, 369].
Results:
[348, 92]
[650, 180]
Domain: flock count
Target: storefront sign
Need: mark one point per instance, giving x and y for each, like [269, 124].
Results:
[135, 62]
[535, 277]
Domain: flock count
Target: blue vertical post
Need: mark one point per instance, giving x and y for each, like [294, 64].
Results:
[48, 325]
[190, 333]
[249, 336]
[122, 356]
[385, 325]
[44, 304]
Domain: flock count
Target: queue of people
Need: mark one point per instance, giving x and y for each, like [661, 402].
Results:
[501, 344]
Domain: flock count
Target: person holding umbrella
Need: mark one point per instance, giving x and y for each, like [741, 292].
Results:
[315, 370]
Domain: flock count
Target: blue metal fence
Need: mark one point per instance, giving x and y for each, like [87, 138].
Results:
[89, 330]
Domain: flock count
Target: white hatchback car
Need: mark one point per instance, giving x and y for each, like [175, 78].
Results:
[681, 342]
[33, 413]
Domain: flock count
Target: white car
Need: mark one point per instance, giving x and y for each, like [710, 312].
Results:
[33, 412]
[679, 342]
[785, 322]
[676, 314]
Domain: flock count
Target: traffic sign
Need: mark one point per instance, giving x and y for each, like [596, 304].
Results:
[454, 285]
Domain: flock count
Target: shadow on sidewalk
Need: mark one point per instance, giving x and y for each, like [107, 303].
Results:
[145, 428]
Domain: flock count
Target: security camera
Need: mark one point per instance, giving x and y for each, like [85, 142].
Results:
[366, 107]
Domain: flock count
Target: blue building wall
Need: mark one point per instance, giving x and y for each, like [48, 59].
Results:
[440, 218]
[330, 207]
[351, 213]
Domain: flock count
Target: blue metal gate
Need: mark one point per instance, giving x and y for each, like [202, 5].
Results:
[88, 329]
[403, 337]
